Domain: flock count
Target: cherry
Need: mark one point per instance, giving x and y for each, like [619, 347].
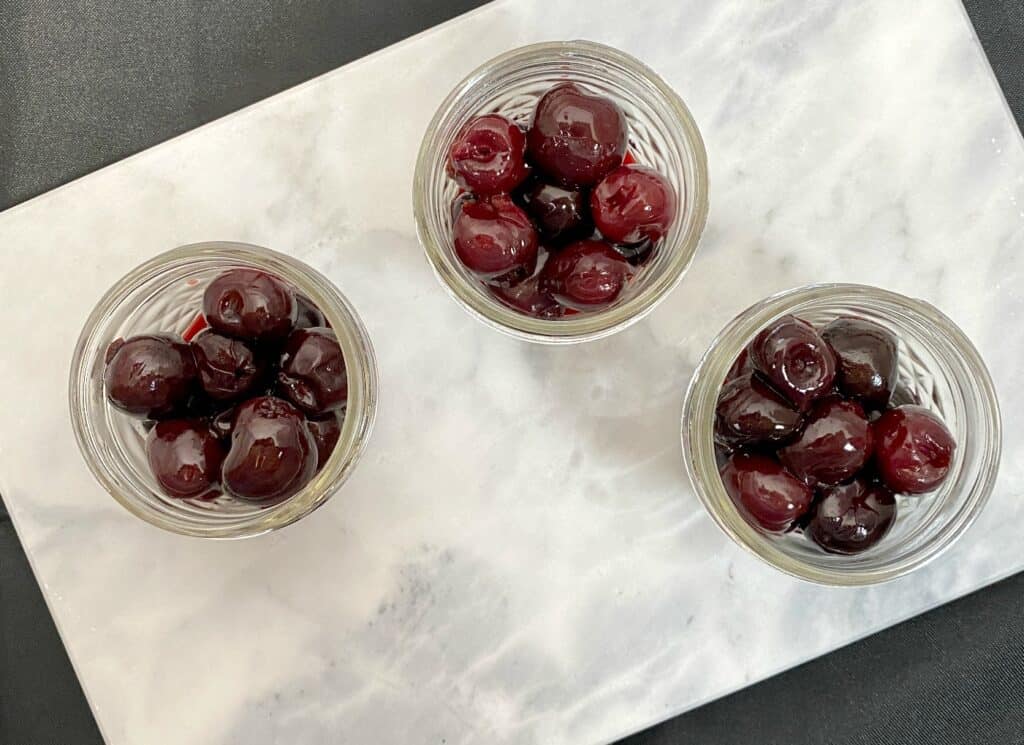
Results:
[794, 359]
[561, 214]
[750, 412]
[488, 156]
[185, 458]
[250, 304]
[228, 368]
[308, 315]
[850, 518]
[764, 491]
[913, 449]
[273, 454]
[833, 446]
[528, 298]
[585, 275]
[326, 431]
[495, 240]
[150, 375]
[867, 357]
[313, 374]
[633, 204]
[576, 137]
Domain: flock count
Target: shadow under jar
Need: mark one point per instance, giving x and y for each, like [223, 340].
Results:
[164, 295]
[662, 135]
[939, 369]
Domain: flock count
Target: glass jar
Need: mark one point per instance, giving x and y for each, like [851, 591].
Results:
[165, 295]
[939, 369]
[662, 135]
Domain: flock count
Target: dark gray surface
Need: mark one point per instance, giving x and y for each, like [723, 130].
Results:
[85, 84]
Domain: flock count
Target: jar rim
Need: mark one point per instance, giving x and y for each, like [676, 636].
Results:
[109, 465]
[584, 326]
[697, 420]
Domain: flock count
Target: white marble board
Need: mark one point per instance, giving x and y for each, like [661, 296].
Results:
[519, 558]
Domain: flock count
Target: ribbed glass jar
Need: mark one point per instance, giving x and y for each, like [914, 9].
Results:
[164, 295]
[662, 135]
[939, 369]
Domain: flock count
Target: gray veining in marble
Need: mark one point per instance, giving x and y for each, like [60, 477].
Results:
[519, 558]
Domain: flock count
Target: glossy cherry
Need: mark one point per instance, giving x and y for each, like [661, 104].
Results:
[273, 453]
[250, 304]
[794, 359]
[308, 315]
[576, 137]
[527, 298]
[228, 368]
[326, 431]
[488, 156]
[764, 491]
[633, 204]
[833, 446]
[313, 374]
[151, 375]
[185, 458]
[585, 275]
[849, 518]
[913, 449]
[496, 240]
[867, 359]
[749, 411]
[561, 214]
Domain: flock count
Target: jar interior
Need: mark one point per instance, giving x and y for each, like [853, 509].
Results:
[512, 86]
[167, 298]
[938, 369]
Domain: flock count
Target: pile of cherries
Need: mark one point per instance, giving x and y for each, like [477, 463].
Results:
[556, 219]
[807, 438]
[249, 401]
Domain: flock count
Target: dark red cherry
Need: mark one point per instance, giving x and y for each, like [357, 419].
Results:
[527, 298]
[764, 491]
[496, 240]
[326, 431]
[749, 411]
[185, 457]
[585, 275]
[850, 518]
[150, 375]
[488, 156]
[228, 368]
[633, 204]
[867, 359]
[833, 446]
[273, 453]
[308, 316]
[795, 359]
[313, 374]
[913, 449]
[112, 349]
[250, 304]
[561, 214]
[576, 137]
